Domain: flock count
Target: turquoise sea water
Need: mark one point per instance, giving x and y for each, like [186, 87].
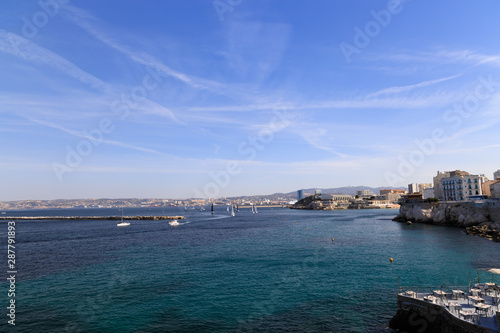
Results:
[277, 270]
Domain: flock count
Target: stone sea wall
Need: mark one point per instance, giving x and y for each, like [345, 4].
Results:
[418, 316]
[478, 219]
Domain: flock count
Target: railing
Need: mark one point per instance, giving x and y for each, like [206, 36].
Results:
[431, 289]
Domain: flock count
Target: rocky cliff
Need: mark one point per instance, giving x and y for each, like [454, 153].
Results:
[482, 220]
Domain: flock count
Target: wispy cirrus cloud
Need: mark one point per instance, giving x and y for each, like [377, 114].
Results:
[401, 89]
[440, 56]
[19, 46]
[108, 142]
[90, 24]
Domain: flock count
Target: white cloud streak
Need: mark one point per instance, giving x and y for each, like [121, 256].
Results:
[19, 46]
[397, 90]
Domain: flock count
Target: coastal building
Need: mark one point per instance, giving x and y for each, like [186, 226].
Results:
[390, 191]
[414, 187]
[393, 197]
[324, 201]
[495, 190]
[485, 187]
[460, 185]
[437, 183]
[496, 175]
[363, 193]
[428, 193]
[300, 194]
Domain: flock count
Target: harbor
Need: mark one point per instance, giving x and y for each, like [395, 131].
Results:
[472, 308]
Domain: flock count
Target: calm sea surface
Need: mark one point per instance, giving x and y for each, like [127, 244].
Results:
[277, 270]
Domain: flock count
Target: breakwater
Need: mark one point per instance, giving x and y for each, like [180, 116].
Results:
[482, 219]
[115, 218]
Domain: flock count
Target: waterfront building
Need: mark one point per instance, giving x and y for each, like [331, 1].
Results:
[394, 197]
[412, 188]
[495, 190]
[389, 191]
[460, 185]
[428, 193]
[363, 193]
[485, 187]
[300, 194]
[437, 183]
[496, 175]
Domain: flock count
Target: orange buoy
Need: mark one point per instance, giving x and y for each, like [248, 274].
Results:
[391, 260]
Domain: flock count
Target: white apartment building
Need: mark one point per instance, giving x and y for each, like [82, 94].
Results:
[413, 188]
[459, 187]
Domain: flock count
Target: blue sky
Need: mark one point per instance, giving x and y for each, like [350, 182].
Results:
[177, 99]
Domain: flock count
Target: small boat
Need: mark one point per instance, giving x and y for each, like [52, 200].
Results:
[212, 209]
[232, 211]
[122, 224]
[174, 222]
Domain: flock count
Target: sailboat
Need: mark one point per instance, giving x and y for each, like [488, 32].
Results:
[122, 224]
[232, 211]
[253, 209]
[212, 209]
[228, 209]
[256, 210]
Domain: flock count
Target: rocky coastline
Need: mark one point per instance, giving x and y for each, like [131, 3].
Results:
[477, 219]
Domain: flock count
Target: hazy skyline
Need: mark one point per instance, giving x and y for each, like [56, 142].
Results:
[181, 99]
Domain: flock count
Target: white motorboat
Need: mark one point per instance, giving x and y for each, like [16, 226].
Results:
[174, 222]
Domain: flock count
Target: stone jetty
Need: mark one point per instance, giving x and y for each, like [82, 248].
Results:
[69, 218]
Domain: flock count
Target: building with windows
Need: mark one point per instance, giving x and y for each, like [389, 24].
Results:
[486, 187]
[460, 185]
[390, 191]
[363, 193]
[496, 175]
[437, 183]
[495, 190]
[428, 193]
[414, 188]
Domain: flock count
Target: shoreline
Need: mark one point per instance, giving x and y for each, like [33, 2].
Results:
[477, 219]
